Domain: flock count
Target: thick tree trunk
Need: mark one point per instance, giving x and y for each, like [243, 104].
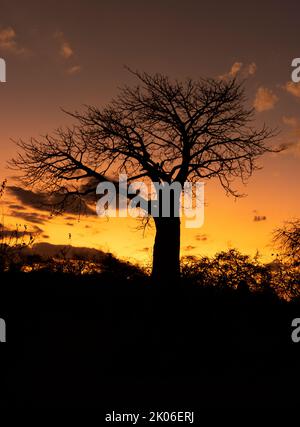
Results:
[166, 251]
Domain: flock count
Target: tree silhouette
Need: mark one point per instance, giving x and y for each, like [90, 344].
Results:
[160, 130]
[287, 238]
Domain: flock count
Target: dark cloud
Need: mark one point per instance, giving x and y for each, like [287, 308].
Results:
[37, 229]
[19, 232]
[189, 248]
[16, 207]
[28, 198]
[70, 224]
[90, 185]
[201, 237]
[46, 202]
[33, 217]
[258, 218]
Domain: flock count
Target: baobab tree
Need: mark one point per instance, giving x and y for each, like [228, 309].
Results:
[160, 130]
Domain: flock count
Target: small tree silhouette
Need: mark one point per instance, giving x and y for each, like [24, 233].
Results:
[287, 239]
[160, 130]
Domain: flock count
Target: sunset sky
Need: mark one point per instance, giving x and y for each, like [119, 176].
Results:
[68, 54]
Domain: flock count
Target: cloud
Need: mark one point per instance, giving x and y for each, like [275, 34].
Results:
[201, 237]
[146, 249]
[290, 121]
[265, 99]
[292, 143]
[44, 202]
[28, 198]
[32, 217]
[19, 232]
[235, 68]
[250, 70]
[74, 70]
[16, 207]
[238, 67]
[9, 43]
[67, 52]
[292, 146]
[293, 89]
[65, 49]
[189, 248]
[258, 218]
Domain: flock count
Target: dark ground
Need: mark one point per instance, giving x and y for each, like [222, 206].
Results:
[91, 342]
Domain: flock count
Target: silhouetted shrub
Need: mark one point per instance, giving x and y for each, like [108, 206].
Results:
[231, 269]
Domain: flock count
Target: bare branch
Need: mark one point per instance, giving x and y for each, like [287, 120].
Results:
[159, 130]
